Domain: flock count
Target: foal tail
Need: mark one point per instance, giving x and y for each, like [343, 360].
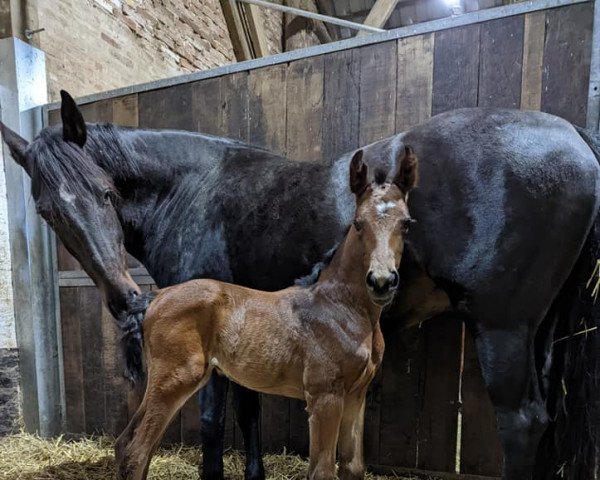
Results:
[132, 337]
[571, 445]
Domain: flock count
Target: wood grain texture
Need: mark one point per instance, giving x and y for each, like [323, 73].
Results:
[533, 58]
[481, 452]
[206, 106]
[567, 56]
[170, 108]
[415, 81]
[455, 68]
[304, 100]
[500, 63]
[378, 66]
[341, 103]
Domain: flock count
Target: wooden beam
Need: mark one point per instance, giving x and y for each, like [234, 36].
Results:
[237, 33]
[379, 14]
[255, 29]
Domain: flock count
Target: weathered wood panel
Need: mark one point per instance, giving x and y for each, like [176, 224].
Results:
[533, 57]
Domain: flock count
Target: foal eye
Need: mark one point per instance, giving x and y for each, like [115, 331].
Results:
[358, 225]
[406, 224]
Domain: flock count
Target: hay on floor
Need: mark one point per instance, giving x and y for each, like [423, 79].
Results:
[29, 457]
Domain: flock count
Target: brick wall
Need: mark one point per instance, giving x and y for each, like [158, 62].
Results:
[98, 45]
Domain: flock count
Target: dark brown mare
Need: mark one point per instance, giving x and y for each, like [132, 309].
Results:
[322, 344]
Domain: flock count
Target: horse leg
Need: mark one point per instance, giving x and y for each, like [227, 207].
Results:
[247, 410]
[165, 395]
[325, 414]
[213, 402]
[350, 445]
[509, 370]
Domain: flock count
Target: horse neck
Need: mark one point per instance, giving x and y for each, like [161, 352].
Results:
[346, 275]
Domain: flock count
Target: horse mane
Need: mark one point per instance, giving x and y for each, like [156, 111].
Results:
[315, 273]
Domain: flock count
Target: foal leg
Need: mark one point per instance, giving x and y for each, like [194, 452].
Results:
[247, 411]
[325, 414]
[213, 401]
[165, 395]
[508, 368]
[350, 444]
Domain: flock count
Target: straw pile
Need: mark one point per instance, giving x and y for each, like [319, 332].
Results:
[28, 457]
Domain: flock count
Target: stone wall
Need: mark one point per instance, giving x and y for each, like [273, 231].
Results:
[98, 45]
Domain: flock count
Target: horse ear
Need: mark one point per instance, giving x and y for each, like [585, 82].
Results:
[17, 146]
[358, 173]
[408, 171]
[74, 129]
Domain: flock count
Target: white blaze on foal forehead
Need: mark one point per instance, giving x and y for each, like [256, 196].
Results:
[383, 207]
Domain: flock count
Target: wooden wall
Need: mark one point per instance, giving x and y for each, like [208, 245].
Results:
[320, 107]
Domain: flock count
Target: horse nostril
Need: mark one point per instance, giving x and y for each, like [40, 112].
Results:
[393, 280]
[371, 280]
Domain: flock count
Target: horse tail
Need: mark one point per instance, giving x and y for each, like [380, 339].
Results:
[132, 336]
[570, 447]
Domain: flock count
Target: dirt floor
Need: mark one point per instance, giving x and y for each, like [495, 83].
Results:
[28, 457]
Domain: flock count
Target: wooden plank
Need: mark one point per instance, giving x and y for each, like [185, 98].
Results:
[90, 318]
[70, 308]
[206, 106]
[501, 58]
[481, 452]
[341, 103]
[234, 104]
[567, 57]
[533, 57]
[439, 414]
[267, 108]
[415, 81]
[237, 35]
[115, 385]
[379, 14]
[304, 99]
[64, 259]
[255, 29]
[400, 400]
[98, 112]
[169, 108]
[455, 68]
[126, 111]
[378, 69]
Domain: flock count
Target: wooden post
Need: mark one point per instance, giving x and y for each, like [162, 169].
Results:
[379, 14]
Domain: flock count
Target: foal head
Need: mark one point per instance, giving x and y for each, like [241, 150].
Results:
[77, 199]
[381, 222]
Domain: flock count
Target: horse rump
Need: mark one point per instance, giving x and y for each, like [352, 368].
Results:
[570, 446]
[131, 325]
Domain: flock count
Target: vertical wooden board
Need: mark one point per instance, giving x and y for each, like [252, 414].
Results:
[439, 413]
[234, 104]
[169, 108]
[481, 452]
[115, 385]
[267, 119]
[98, 112]
[401, 398]
[378, 68]
[533, 57]
[415, 81]
[500, 62]
[455, 68]
[126, 111]
[567, 56]
[304, 107]
[54, 117]
[90, 317]
[341, 85]
[64, 260]
[72, 363]
[206, 106]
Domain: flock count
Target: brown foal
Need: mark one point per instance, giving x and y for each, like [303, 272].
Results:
[320, 343]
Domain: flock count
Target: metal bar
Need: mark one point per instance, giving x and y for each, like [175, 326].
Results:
[593, 106]
[469, 18]
[314, 16]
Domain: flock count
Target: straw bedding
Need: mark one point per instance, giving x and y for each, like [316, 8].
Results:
[29, 457]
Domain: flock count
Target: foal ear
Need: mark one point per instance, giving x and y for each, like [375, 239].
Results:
[408, 171]
[74, 129]
[17, 146]
[358, 173]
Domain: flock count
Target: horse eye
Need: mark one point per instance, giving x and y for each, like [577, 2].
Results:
[358, 225]
[108, 196]
[406, 223]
